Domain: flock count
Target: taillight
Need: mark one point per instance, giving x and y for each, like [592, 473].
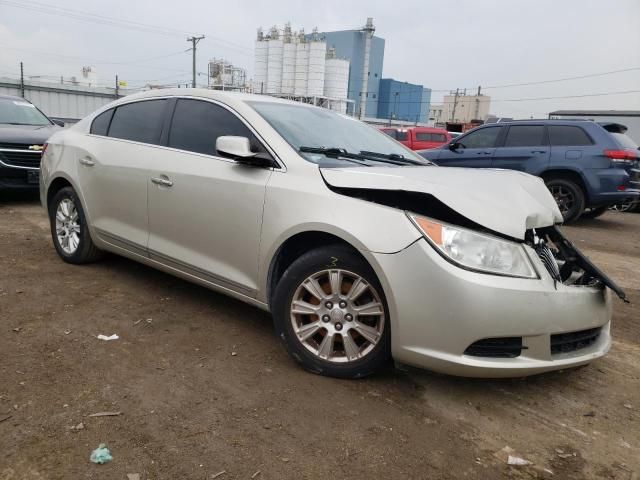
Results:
[622, 156]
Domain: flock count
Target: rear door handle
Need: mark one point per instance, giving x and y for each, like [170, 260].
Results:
[165, 182]
[87, 161]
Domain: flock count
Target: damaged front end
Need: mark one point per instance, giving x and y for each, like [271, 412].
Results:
[565, 263]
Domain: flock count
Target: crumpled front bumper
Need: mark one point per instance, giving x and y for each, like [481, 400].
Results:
[438, 310]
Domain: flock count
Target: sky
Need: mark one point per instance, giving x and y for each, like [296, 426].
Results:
[442, 45]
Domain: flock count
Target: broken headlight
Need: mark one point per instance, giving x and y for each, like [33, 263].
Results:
[476, 251]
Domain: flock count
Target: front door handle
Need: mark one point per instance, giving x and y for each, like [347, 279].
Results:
[87, 161]
[538, 151]
[165, 182]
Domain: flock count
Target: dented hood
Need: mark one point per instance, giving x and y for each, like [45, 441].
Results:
[505, 201]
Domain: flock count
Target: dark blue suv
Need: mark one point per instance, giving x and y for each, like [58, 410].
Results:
[587, 166]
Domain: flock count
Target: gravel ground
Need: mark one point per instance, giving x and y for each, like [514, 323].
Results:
[203, 386]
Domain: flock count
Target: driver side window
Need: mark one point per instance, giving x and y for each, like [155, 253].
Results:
[483, 138]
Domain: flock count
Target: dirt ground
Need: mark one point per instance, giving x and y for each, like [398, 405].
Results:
[204, 387]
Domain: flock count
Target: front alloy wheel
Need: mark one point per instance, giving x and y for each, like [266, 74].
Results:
[337, 315]
[329, 309]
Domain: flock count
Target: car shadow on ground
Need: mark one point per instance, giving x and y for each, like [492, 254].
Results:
[18, 197]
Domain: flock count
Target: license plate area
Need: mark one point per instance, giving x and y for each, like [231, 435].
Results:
[33, 176]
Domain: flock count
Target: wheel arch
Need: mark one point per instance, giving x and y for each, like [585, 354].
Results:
[296, 245]
[567, 174]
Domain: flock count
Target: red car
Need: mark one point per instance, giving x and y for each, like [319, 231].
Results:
[419, 138]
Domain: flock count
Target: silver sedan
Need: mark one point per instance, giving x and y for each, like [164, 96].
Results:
[360, 249]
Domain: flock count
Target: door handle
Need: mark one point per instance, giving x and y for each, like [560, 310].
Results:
[87, 161]
[165, 182]
[538, 151]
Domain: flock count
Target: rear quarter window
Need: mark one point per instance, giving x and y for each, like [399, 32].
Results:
[566, 135]
[100, 124]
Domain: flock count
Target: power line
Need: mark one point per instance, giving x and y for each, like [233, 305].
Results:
[49, 9]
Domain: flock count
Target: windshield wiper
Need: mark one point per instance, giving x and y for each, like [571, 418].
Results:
[395, 158]
[337, 153]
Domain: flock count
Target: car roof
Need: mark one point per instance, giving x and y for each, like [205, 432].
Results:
[545, 121]
[223, 96]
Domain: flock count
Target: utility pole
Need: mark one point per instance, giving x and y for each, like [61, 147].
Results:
[476, 116]
[117, 87]
[455, 104]
[21, 80]
[194, 40]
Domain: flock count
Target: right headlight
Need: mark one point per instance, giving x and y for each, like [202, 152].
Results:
[476, 251]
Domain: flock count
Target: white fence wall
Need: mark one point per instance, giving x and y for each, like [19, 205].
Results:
[67, 102]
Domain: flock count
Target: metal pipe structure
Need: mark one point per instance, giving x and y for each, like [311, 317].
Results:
[368, 32]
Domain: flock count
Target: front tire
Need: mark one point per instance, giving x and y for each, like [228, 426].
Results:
[330, 312]
[69, 230]
[569, 197]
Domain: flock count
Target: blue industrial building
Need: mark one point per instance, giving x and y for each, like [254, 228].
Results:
[350, 44]
[403, 101]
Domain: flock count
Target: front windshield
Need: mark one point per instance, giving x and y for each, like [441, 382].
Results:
[20, 112]
[305, 126]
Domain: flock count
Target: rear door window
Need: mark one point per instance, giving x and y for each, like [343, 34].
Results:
[401, 135]
[100, 124]
[525, 136]
[140, 121]
[567, 135]
[483, 138]
[196, 125]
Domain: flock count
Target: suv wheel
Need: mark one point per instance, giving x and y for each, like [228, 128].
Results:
[69, 229]
[569, 197]
[331, 314]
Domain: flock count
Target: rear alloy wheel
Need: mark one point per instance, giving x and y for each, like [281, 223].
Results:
[69, 229]
[628, 206]
[569, 197]
[331, 314]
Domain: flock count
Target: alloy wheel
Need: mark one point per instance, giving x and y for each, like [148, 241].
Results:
[563, 197]
[622, 206]
[337, 315]
[67, 226]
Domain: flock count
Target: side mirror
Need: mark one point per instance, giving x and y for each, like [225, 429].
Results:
[239, 149]
[234, 147]
[60, 123]
[453, 146]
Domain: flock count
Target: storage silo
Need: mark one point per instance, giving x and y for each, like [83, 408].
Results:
[336, 78]
[288, 62]
[260, 64]
[317, 55]
[302, 66]
[274, 62]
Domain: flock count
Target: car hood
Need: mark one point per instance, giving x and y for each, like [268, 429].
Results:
[504, 201]
[35, 134]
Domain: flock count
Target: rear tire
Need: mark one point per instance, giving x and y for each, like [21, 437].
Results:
[69, 230]
[330, 312]
[569, 197]
[594, 212]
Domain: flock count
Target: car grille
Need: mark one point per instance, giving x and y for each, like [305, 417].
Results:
[23, 158]
[573, 341]
[546, 256]
[506, 347]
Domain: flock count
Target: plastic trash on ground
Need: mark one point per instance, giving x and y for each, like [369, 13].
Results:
[105, 338]
[101, 455]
